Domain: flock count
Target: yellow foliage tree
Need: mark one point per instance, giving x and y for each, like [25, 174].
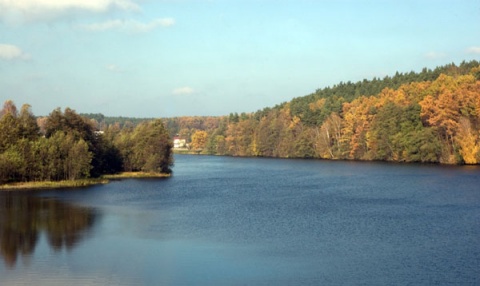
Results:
[468, 141]
[452, 106]
[199, 139]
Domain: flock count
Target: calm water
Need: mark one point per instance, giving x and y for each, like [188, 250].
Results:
[246, 221]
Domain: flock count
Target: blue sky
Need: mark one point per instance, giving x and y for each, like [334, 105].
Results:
[154, 58]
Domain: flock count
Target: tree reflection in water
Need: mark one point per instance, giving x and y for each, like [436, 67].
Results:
[23, 218]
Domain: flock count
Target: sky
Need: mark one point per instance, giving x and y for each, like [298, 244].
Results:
[167, 58]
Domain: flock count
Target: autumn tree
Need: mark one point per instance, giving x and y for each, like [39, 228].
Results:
[199, 140]
[451, 103]
[9, 107]
[328, 136]
[239, 137]
[267, 135]
[469, 142]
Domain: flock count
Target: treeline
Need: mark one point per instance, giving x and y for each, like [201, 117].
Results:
[431, 116]
[183, 126]
[380, 119]
[67, 146]
[348, 91]
[102, 122]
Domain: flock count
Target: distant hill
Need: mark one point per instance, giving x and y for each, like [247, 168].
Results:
[348, 91]
[427, 116]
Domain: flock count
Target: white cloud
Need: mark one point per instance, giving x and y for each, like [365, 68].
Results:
[474, 50]
[129, 25]
[11, 52]
[103, 26]
[435, 55]
[27, 6]
[31, 10]
[183, 90]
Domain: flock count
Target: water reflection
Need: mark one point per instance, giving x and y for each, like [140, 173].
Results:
[24, 218]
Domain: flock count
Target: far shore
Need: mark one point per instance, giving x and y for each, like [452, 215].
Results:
[135, 175]
[186, 151]
[105, 179]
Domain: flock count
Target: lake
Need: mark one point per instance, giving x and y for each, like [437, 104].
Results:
[251, 221]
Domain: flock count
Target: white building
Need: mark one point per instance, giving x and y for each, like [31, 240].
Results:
[179, 143]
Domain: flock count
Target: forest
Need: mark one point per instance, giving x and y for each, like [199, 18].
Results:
[67, 146]
[432, 116]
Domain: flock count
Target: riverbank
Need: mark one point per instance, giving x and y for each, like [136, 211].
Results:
[187, 151]
[48, 185]
[135, 175]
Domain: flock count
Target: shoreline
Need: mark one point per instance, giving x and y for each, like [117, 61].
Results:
[81, 183]
[337, 159]
[187, 152]
[135, 175]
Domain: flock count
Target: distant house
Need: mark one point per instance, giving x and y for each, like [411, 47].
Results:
[179, 142]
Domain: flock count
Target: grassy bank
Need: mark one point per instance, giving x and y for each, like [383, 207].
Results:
[52, 184]
[46, 185]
